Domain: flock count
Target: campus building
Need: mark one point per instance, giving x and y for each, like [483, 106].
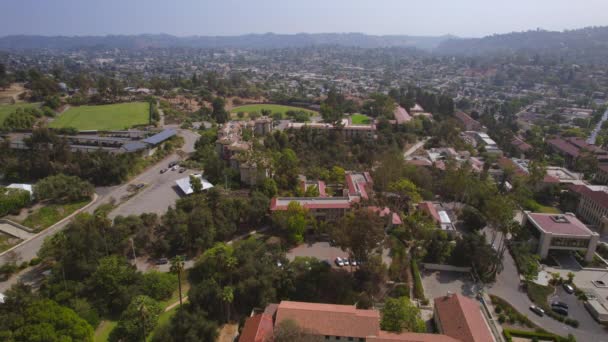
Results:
[460, 317]
[461, 320]
[561, 232]
[573, 148]
[592, 205]
[359, 186]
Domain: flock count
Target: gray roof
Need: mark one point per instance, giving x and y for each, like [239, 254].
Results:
[160, 137]
[134, 146]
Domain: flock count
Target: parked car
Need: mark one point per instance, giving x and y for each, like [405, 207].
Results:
[339, 261]
[557, 303]
[162, 261]
[182, 170]
[353, 262]
[345, 261]
[537, 310]
[140, 185]
[163, 170]
[560, 310]
[568, 288]
[175, 168]
[172, 164]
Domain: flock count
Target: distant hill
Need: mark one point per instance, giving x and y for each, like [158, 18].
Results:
[263, 41]
[587, 43]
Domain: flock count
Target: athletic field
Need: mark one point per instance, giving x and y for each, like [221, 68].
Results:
[105, 117]
[272, 107]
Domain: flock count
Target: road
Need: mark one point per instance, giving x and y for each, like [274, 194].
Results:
[507, 286]
[597, 128]
[29, 249]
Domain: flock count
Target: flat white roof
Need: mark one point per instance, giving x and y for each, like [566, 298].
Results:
[443, 216]
[186, 187]
[26, 187]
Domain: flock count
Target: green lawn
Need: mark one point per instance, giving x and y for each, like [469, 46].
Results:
[549, 210]
[5, 110]
[102, 333]
[7, 241]
[272, 107]
[105, 117]
[360, 119]
[49, 215]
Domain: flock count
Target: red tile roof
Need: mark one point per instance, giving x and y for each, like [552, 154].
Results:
[521, 145]
[599, 197]
[401, 115]
[567, 224]
[461, 318]
[395, 219]
[330, 319]
[429, 209]
[385, 336]
[468, 121]
[258, 328]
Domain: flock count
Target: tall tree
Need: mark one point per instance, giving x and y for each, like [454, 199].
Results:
[177, 267]
[359, 232]
[399, 314]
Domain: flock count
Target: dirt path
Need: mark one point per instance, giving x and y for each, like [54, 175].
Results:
[184, 299]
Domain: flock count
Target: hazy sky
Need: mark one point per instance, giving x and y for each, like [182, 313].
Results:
[231, 17]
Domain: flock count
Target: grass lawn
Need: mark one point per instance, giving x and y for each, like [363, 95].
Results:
[7, 241]
[538, 293]
[105, 117]
[360, 119]
[549, 210]
[102, 333]
[272, 107]
[5, 110]
[49, 215]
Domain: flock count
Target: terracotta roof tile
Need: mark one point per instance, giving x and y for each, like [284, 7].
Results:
[461, 318]
[330, 319]
[258, 328]
[385, 336]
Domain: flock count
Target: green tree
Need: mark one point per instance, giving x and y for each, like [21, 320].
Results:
[196, 184]
[138, 320]
[292, 221]
[399, 314]
[27, 317]
[62, 188]
[359, 232]
[219, 111]
[407, 193]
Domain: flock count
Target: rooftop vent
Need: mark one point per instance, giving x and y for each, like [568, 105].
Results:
[560, 219]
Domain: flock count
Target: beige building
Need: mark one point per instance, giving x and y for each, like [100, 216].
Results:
[561, 232]
[592, 205]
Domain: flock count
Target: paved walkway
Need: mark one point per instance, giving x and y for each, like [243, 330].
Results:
[15, 231]
[415, 148]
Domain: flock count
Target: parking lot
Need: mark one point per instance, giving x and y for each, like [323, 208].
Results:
[319, 250]
[439, 283]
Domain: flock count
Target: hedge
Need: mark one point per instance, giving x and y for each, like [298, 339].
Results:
[510, 333]
[418, 288]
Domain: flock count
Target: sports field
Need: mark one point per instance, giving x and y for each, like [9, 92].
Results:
[104, 117]
[272, 107]
[360, 119]
[5, 110]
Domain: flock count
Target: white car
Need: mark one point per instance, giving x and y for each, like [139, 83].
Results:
[346, 263]
[339, 262]
[353, 262]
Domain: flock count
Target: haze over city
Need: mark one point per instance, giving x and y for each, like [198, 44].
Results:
[304, 170]
[464, 18]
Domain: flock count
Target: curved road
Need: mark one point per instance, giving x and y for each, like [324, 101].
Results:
[29, 249]
[507, 286]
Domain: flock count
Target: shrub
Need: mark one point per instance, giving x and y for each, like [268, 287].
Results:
[35, 261]
[418, 288]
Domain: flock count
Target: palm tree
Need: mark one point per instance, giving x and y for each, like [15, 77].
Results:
[177, 267]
